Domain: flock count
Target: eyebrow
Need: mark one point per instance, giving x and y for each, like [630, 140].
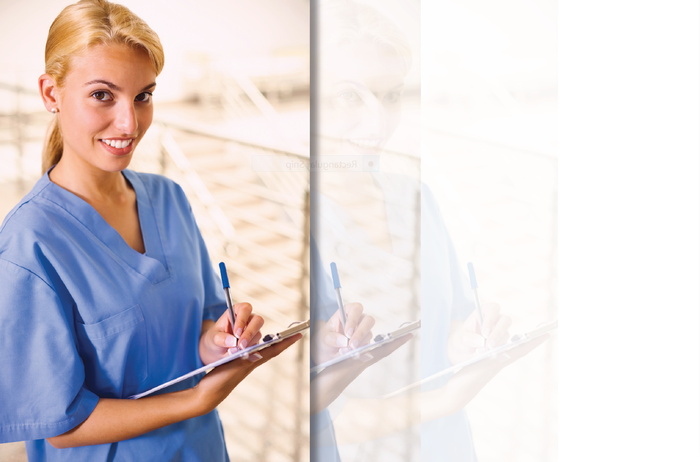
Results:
[360, 84]
[114, 87]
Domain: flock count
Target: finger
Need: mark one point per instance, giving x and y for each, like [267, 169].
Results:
[499, 332]
[366, 324]
[366, 339]
[470, 341]
[256, 339]
[491, 316]
[224, 324]
[353, 312]
[255, 323]
[224, 340]
[335, 340]
[243, 313]
[334, 323]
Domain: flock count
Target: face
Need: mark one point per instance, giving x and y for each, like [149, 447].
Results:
[105, 106]
[361, 86]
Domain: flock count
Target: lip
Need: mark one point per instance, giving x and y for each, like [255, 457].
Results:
[365, 145]
[118, 151]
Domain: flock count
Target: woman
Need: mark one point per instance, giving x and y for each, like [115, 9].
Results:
[106, 287]
[364, 60]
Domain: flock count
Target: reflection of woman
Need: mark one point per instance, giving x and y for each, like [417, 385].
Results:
[364, 60]
[106, 287]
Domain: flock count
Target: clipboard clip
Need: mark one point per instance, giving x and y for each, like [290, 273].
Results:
[293, 328]
[403, 329]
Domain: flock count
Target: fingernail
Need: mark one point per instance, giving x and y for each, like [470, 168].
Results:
[230, 341]
[344, 350]
[341, 341]
[254, 357]
[243, 343]
[239, 331]
[232, 350]
[485, 332]
[355, 344]
[350, 332]
[480, 350]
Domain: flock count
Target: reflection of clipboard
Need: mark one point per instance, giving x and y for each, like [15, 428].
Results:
[379, 340]
[267, 341]
[515, 341]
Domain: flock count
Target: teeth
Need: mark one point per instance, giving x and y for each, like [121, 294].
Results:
[119, 144]
[366, 144]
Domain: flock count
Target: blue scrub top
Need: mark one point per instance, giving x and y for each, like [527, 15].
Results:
[84, 316]
[443, 300]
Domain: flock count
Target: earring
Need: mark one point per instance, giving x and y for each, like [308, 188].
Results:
[53, 110]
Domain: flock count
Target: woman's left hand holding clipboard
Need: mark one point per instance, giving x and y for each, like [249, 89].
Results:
[218, 339]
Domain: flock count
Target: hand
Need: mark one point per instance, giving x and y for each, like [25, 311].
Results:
[470, 338]
[218, 384]
[217, 338]
[329, 340]
[330, 382]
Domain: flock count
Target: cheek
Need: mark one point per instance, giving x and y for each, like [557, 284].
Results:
[145, 119]
[339, 121]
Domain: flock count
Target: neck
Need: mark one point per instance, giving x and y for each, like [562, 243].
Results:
[88, 182]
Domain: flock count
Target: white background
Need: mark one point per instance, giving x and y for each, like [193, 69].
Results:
[629, 208]
[629, 259]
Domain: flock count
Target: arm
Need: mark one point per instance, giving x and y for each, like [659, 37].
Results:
[115, 420]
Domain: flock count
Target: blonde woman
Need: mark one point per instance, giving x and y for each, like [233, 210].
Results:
[106, 287]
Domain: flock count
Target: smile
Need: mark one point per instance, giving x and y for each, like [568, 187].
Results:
[366, 143]
[119, 144]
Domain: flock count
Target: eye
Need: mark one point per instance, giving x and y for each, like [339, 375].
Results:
[392, 97]
[348, 96]
[102, 96]
[144, 97]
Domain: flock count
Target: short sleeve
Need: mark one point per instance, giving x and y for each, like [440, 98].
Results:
[41, 373]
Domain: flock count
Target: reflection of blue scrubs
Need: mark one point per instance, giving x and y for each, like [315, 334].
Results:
[323, 305]
[443, 300]
[84, 316]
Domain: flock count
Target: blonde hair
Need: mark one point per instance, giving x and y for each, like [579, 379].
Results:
[77, 28]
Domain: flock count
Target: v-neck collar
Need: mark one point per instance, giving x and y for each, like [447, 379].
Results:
[152, 264]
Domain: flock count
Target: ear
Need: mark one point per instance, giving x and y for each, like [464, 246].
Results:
[49, 92]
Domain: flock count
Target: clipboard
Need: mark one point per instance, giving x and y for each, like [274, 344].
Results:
[378, 341]
[515, 341]
[267, 341]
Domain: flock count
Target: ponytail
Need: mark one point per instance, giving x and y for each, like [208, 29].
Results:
[53, 146]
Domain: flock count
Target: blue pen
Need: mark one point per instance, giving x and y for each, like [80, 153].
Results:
[229, 301]
[472, 281]
[338, 294]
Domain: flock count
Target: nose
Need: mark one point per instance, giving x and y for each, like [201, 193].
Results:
[125, 120]
[374, 118]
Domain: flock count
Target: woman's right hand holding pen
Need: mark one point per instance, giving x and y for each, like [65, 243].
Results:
[470, 338]
[220, 338]
[329, 339]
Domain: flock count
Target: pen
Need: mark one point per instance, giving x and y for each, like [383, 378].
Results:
[229, 301]
[472, 281]
[338, 294]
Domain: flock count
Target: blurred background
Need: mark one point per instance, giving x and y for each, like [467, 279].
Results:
[478, 126]
[489, 153]
[235, 88]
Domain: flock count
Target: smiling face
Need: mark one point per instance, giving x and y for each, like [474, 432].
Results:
[361, 86]
[105, 106]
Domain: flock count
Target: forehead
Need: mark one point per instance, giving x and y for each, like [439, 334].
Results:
[121, 64]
